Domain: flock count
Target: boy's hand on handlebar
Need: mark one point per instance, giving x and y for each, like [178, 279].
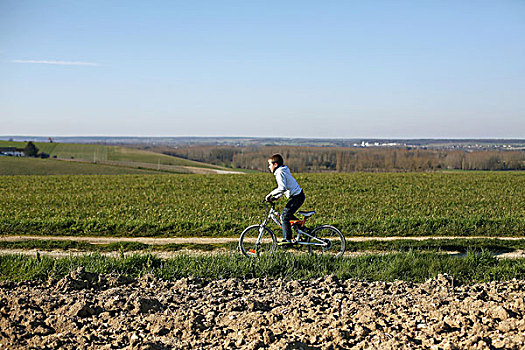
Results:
[269, 198]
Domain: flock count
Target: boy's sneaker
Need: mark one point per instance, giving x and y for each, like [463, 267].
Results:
[285, 242]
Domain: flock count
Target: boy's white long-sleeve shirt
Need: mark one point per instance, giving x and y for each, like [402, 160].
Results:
[286, 184]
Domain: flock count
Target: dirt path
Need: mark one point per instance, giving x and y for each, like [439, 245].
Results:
[517, 254]
[173, 168]
[209, 240]
[108, 240]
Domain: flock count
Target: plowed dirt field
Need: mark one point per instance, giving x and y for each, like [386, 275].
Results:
[91, 311]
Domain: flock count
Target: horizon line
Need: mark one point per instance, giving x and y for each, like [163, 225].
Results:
[267, 137]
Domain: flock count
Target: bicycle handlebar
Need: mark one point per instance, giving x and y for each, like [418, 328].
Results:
[270, 202]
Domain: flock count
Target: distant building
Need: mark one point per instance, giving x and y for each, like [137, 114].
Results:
[12, 152]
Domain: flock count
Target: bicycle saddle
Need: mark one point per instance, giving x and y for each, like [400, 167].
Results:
[306, 214]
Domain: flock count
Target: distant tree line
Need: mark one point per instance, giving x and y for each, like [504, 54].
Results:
[338, 159]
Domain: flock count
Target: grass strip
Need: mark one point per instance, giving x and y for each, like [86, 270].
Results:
[410, 266]
[447, 245]
[402, 245]
[71, 245]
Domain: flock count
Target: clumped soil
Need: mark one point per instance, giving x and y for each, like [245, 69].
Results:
[92, 311]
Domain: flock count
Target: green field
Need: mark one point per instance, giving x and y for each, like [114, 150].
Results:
[103, 153]
[37, 166]
[386, 204]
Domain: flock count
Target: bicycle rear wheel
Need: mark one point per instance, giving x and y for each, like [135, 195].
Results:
[257, 240]
[330, 241]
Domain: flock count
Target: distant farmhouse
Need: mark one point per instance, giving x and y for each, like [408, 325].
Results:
[12, 151]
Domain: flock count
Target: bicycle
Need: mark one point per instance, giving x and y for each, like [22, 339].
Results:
[258, 239]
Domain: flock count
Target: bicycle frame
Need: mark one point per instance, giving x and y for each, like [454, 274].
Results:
[276, 217]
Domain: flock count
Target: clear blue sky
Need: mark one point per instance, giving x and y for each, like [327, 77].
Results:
[388, 69]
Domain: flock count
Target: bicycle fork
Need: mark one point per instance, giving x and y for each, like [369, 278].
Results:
[273, 216]
[262, 226]
[259, 237]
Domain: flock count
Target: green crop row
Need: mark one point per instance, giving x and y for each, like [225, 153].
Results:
[386, 204]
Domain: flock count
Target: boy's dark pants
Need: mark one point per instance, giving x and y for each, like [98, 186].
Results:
[291, 207]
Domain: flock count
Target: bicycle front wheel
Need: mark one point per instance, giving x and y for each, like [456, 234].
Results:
[257, 240]
[327, 240]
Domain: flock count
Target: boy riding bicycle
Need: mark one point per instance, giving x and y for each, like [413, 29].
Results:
[288, 186]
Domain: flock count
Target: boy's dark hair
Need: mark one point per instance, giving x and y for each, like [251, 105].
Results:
[277, 158]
